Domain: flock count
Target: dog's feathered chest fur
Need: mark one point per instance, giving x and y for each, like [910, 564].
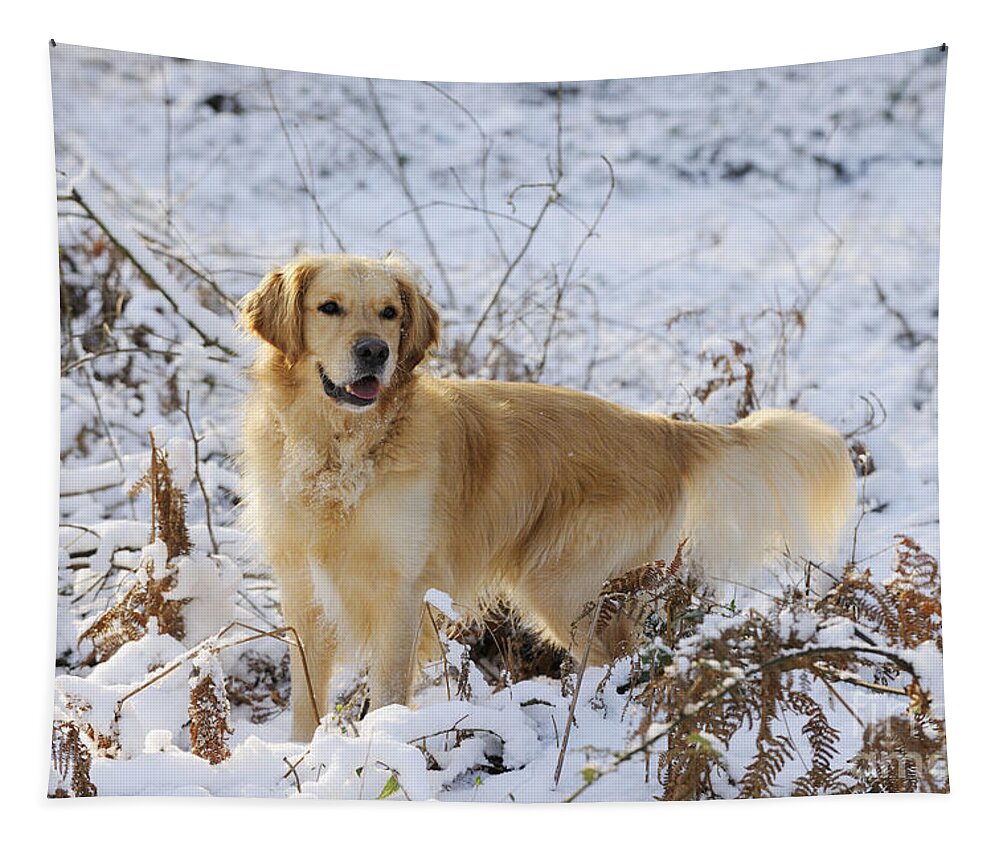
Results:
[328, 466]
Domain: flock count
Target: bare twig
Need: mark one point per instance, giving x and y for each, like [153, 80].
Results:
[444, 655]
[567, 278]
[78, 199]
[576, 691]
[550, 199]
[861, 517]
[104, 423]
[408, 191]
[292, 772]
[128, 350]
[197, 471]
[202, 274]
[168, 102]
[454, 205]
[874, 419]
[298, 167]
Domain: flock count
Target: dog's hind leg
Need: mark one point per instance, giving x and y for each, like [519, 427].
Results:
[557, 610]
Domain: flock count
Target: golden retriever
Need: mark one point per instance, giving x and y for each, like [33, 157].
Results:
[368, 482]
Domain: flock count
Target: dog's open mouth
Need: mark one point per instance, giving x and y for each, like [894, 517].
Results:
[361, 392]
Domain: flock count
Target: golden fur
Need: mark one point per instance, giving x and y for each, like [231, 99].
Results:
[480, 487]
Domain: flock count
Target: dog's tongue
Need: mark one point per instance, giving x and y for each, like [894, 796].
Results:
[365, 388]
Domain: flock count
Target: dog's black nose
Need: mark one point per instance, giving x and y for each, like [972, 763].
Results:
[371, 352]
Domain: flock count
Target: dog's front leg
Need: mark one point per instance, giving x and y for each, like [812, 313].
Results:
[394, 651]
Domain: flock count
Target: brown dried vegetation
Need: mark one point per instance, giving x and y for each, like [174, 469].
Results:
[128, 618]
[761, 673]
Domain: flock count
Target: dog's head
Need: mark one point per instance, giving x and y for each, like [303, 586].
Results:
[358, 325]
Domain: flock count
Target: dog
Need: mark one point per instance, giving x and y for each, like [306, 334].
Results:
[368, 481]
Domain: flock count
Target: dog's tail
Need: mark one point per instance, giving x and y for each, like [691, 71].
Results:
[776, 483]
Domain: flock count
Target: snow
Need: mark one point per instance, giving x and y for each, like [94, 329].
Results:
[442, 602]
[792, 209]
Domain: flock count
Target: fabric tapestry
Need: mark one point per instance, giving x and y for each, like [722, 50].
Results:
[502, 442]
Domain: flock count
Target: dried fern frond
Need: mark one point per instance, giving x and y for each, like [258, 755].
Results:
[629, 600]
[916, 591]
[208, 709]
[728, 376]
[123, 621]
[128, 618]
[71, 761]
[169, 503]
[902, 755]
[906, 610]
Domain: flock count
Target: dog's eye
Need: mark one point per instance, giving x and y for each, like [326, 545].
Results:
[330, 308]
[389, 312]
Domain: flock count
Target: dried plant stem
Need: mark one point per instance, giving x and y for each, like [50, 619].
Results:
[278, 634]
[104, 423]
[483, 170]
[292, 770]
[404, 183]
[78, 199]
[854, 679]
[471, 206]
[298, 167]
[567, 278]
[197, 472]
[444, 655]
[576, 691]
[861, 517]
[128, 350]
[551, 198]
[159, 248]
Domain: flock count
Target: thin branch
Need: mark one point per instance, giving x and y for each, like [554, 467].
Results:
[444, 655]
[129, 350]
[298, 167]
[486, 215]
[78, 199]
[158, 247]
[576, 691]
[197, 471]
[407, 191]
[567, 278]
[292, 771]
[550, 199]
[487, 146]
[103, 421]
[471, 206]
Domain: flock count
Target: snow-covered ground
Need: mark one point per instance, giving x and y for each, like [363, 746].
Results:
[794, 210]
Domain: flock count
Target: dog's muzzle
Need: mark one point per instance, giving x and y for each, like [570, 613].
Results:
[361, 392]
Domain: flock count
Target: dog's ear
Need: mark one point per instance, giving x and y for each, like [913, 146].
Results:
[273, 311]
[421, 325]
